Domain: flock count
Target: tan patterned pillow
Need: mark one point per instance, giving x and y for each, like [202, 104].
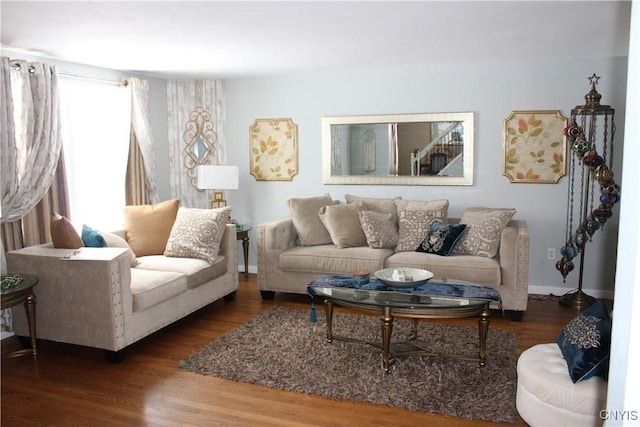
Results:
[147, 227]
[304, 214]
[484, 227]
[380, 229]
[197, 233]
[415, 219]
[343, 225]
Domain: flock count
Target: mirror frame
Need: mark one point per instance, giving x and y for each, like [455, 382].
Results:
[467, 122]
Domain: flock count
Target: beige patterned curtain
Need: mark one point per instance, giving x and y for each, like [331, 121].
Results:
[184, 97]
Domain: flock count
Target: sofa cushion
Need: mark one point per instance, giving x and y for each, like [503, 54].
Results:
[328, 259]
[304, 214]
[380, 229]
[414, 221]
[484, 227]
[480, 270]
[114, 241]
[343, 224]
[442, 238]
[585, 343]
[151, 287]
[376, 205]
[147, 227]
[197, 233]
[197, 271]
[63, 233]
[92, 238]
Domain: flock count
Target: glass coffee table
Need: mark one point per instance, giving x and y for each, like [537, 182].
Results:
[437, 299]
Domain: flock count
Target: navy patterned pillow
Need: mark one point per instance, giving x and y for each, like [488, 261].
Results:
[585, 343]
[442, 238]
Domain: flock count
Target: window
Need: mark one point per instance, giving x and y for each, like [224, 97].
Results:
[96, 121]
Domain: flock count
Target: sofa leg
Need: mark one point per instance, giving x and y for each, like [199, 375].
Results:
[515, 315]
[114, 357]
[267, 295]
[230, 297]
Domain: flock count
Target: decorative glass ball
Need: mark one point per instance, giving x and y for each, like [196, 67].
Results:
[604, 175]
[593, 159]
[580, 146]
[573, 131]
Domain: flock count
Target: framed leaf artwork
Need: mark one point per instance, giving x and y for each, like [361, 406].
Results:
[535, 147]
[274, 149]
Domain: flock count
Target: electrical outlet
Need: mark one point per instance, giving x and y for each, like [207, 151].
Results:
[551, 253]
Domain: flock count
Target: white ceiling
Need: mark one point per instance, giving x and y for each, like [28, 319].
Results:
[215, 39]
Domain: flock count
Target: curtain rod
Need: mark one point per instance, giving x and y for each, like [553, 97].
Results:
[123, 82]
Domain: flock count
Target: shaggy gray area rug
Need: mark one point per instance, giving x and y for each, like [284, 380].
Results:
[282, 349]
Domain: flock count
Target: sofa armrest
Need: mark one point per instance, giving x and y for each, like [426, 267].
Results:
[229, 248]
[514, 261]
[85, 300]
[274, 238]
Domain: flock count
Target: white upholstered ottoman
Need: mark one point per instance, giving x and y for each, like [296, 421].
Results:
[546, 396]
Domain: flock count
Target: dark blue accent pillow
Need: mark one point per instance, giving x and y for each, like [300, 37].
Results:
[92, 239]
[585, 343]
[442, 238]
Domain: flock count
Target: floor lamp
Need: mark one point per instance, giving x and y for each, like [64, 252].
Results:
[217, 178]
[590, 134]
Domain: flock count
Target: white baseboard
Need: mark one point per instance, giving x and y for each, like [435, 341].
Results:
[5, 334]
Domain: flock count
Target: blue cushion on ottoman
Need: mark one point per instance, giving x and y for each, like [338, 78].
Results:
[585, 343]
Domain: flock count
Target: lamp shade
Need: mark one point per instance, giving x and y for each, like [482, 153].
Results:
[217, 177]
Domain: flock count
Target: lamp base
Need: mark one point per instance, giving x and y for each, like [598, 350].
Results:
[577, 299]
[218, 200]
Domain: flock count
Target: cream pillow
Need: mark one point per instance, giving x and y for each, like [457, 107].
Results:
[304, 214]
[376, 205]
[147, 227]
[415, 219]
[343, 224]
[380, 229]
[197, 233]
[484, 228]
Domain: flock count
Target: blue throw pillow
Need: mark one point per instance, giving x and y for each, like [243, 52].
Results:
[442, 238]
[92, 239]
[585, 343]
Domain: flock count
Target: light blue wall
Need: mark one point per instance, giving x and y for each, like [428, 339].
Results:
[490, 90]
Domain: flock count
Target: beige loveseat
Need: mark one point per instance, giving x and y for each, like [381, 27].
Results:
[287, 264]
[99, 297]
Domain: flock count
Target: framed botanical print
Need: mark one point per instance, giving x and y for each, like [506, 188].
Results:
[274, 149]
[535, 147]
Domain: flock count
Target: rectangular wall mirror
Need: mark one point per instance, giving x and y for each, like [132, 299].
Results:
[401, 149]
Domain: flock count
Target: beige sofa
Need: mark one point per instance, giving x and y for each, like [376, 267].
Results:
[96, 298]
[285, 265]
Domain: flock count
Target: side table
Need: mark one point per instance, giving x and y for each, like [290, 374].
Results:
[19, 289]
[242, 230]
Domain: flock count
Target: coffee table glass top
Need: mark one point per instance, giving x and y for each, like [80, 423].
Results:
[394, 299]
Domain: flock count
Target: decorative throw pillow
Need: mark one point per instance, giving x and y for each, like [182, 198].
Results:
[484, 227]
[414, 221]
[147, 227]
[197, 233]
[115, 241]
[343, 225]
[92, 238]
[376, 205]
[585, 343]
[442, 238]
[380, 229]
[63, 233]
[304, 214]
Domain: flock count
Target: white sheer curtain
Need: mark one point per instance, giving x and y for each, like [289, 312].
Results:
[31, 141]
[142, 129]
[97, 125]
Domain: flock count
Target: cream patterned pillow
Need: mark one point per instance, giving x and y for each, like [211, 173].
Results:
[380, 229]
[343, 225]
[484, 227]
[197, 233]
[415, 219]
[304, 214]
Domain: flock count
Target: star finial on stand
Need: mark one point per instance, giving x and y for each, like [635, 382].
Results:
[594, 80]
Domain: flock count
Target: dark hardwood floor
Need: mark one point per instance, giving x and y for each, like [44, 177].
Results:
[75, 386]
